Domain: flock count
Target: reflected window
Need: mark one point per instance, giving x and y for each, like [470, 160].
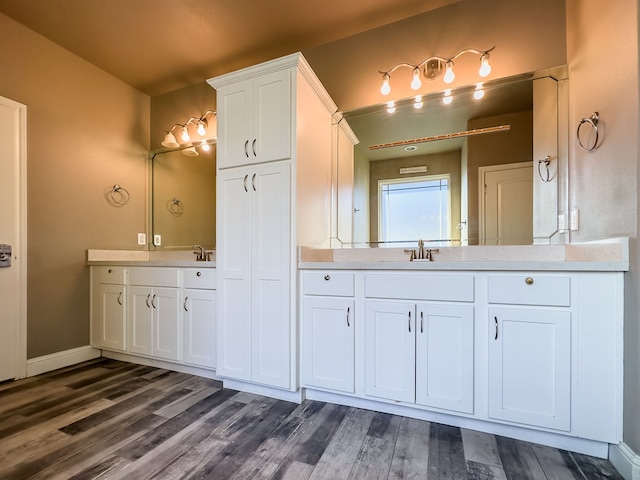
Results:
[414, 208]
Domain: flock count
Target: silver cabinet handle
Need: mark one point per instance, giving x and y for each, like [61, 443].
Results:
[348, 310]
[495, 319]
[253, 147]
[184, 305]
[246, 152]
[147, 300]
[244, 182]
[409, 321]
[253, 182]
[120, 299]
[153, 301]
[421, 322]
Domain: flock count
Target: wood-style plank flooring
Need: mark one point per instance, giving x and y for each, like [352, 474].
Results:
[109, 419]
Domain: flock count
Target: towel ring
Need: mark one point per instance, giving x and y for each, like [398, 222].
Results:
[546, 160]
[119, 195]
[592, 121]
[175, 207]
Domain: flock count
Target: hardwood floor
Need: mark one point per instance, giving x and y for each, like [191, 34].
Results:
[109, 419]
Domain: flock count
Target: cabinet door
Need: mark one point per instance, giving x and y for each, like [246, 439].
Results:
[444, 357]
[328, 343]
[234, 125]
[108, 329]
[530, 367]
[199, 327]
[140, 321]
[233, 269]
[390, 350]
[271, 274]
[165, 303]
[271, 117]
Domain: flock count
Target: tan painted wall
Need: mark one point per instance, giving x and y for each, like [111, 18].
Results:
[528, 36]
[86, 131]
[604, 183]
[512, 146]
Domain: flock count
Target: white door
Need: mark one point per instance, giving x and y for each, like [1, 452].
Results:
[234, 125]
[199, 327]
[13, 233]
[109, 321]
[165, 303]
[390, 350]
[328, 338]
[444, 357]
[271, 273]
[140, 320]
[530, 367]
[506, 204]
[271, 117]
[233, 270]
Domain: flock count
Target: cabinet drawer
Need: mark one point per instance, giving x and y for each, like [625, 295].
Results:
[200, 278]
[338, 284]
[113, 275]
[554, 291]
[155, 277]
[452, 288]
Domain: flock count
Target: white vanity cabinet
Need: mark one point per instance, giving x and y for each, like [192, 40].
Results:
[530, 349]
[255, 273]
[153, 312]
[199, 317]
[420, 351]
[254, 120]
[328, 331]
[109, 307]
[273, 181]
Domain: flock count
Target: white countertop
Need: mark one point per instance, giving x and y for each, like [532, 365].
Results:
[146, 258]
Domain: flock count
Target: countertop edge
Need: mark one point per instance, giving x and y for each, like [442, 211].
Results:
[469, 266]
[151, 263]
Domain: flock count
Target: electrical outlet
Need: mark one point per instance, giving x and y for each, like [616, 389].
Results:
[157, 240]
[142, 239]
[562, 222]
[575, 219]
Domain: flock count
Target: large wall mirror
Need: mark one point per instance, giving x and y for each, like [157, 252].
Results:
[183, 198]
[458, 172]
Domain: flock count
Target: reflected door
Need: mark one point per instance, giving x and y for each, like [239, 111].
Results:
[506, 204]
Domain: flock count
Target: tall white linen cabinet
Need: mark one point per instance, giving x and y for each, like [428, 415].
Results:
[274, 167]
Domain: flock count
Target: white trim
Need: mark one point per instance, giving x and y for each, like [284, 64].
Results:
[66, 358]
[156, 362]
[626, 461]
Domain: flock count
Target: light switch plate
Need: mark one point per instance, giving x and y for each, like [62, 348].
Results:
[157, 240]
[142, 239]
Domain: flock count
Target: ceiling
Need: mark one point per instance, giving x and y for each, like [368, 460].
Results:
[158, 46]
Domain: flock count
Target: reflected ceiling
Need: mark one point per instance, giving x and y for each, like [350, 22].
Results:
[158, 46]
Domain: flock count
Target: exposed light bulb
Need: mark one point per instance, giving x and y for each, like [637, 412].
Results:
[479, 92]
[447, 99]
[391, 107]
[185, 134]
[386, 86]
[449, 76]
[485, 68]
[202, 128]
[418, 102]
[205, 146]
[416, 83]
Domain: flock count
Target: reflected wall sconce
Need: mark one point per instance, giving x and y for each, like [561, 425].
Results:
[433, 67]
[200, 123]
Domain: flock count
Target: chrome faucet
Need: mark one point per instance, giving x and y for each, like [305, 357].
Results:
[201, 256]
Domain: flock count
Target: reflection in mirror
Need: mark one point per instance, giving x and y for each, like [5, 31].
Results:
[184, 198]
[471, 188]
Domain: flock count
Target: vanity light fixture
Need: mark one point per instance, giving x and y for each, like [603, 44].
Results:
[479, 91]
[190, 152]
[201, 123]
[435, 66]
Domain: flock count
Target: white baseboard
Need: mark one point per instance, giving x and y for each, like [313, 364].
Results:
[626, 461]
[66, 358]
